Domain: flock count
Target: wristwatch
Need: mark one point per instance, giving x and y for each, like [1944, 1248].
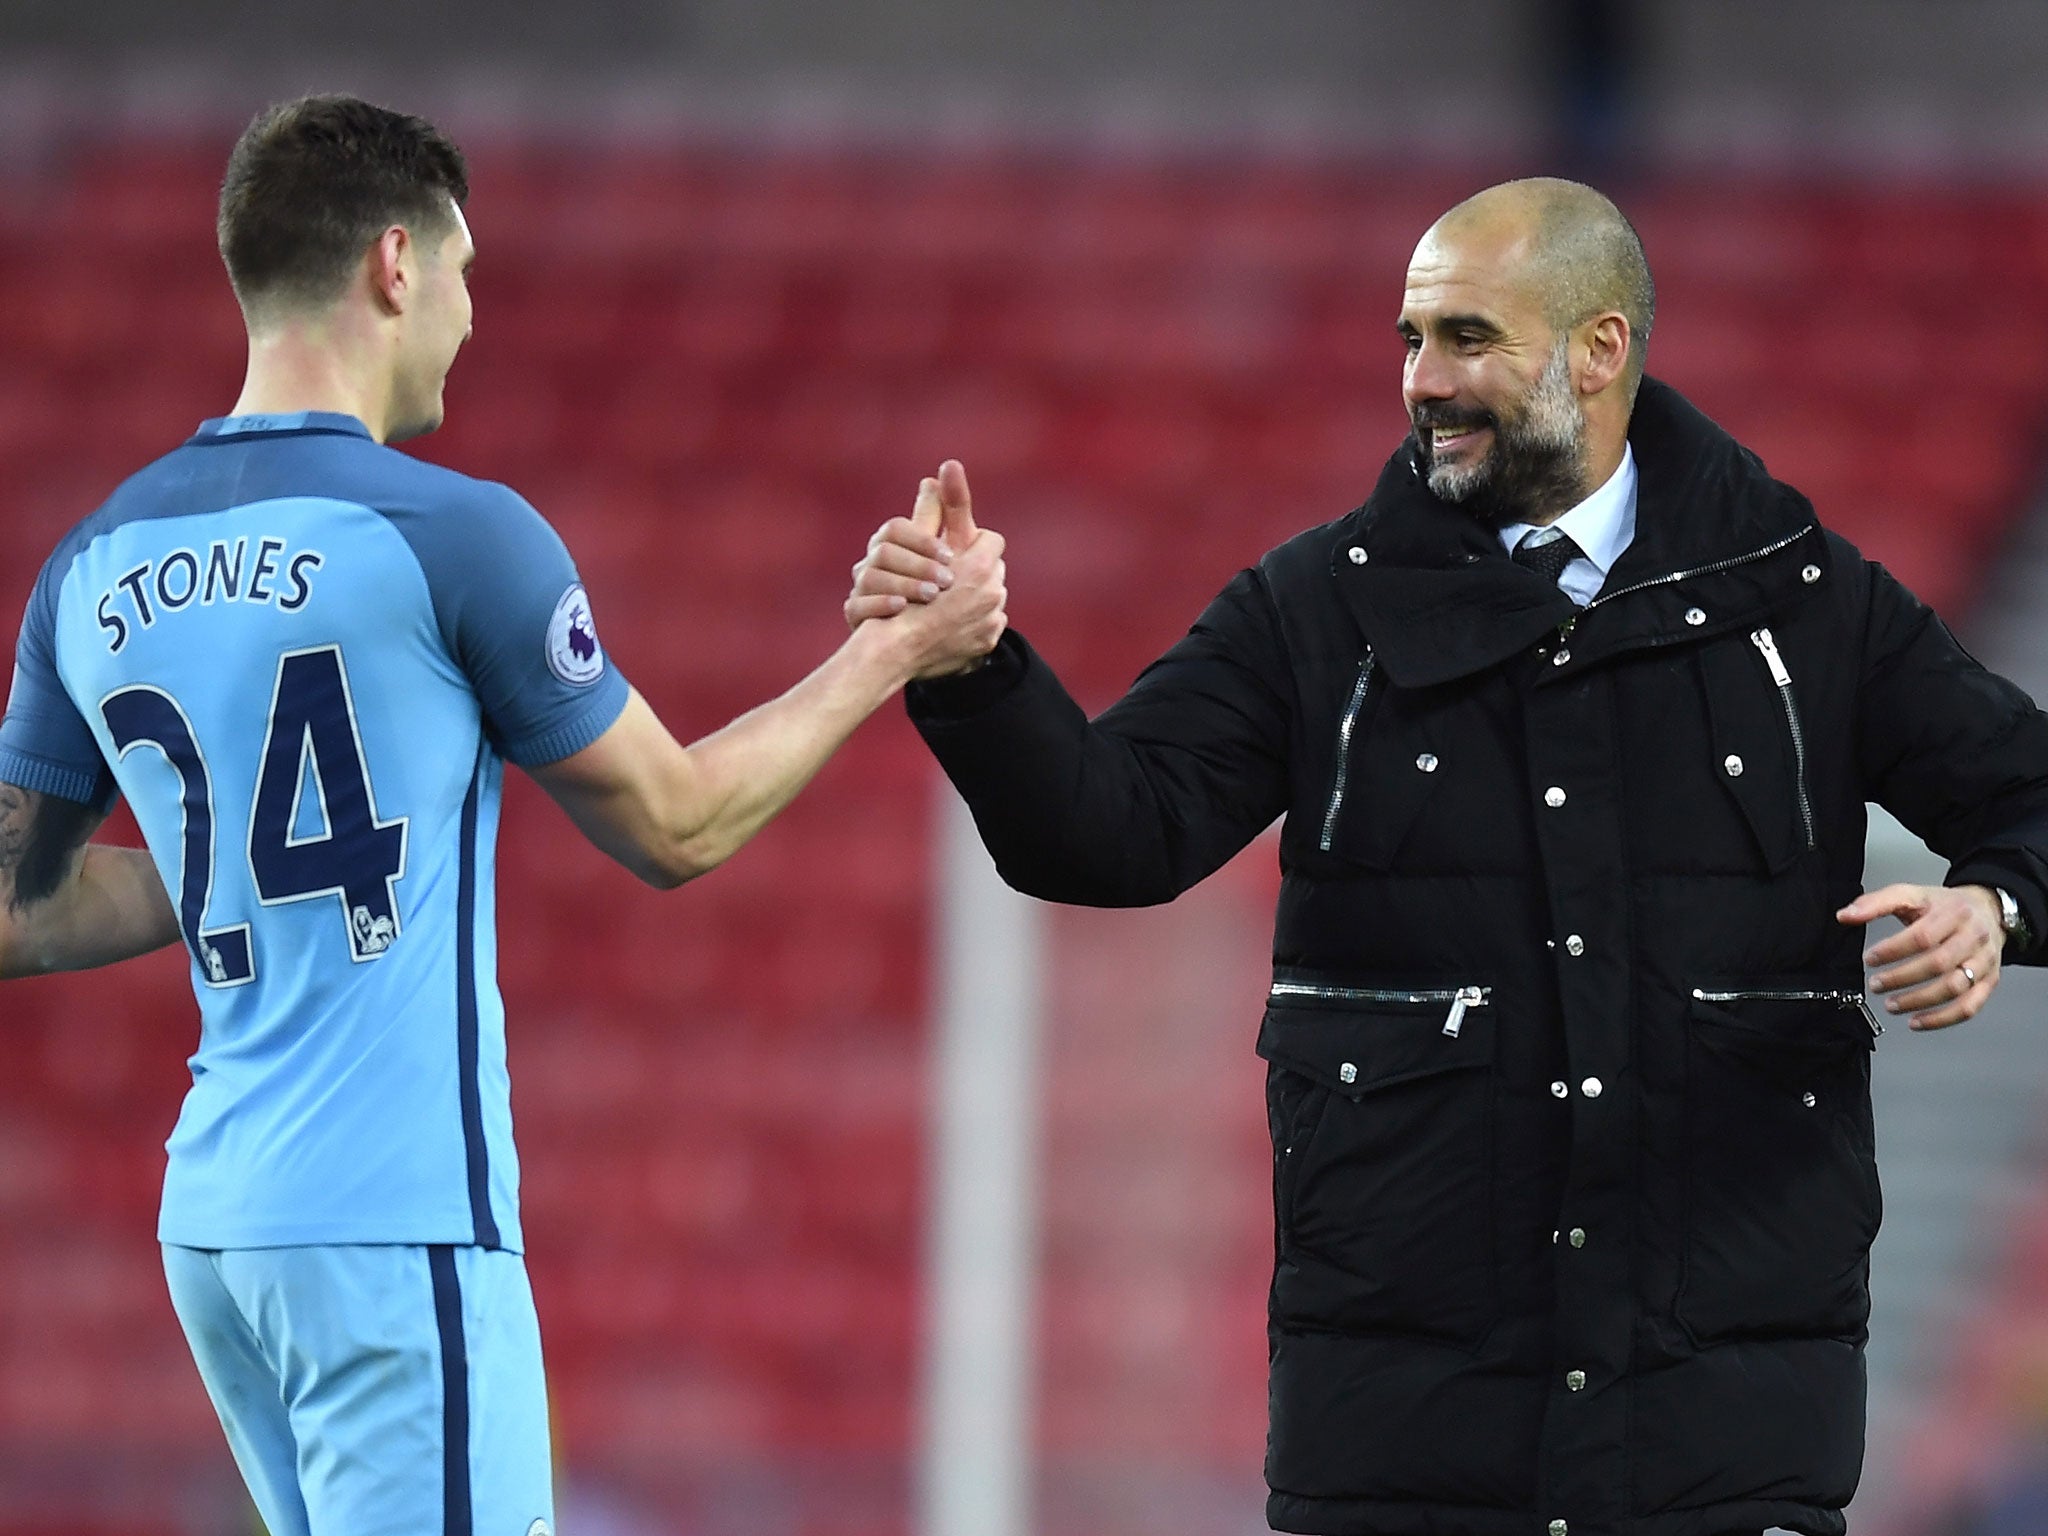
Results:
[2012, 920]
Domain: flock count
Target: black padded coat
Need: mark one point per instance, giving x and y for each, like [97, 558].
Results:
[1569, 1059]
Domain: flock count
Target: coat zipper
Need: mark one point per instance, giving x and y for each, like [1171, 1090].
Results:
[1761, 639]
[1700, 570]
[1710, 569]
[1344, 729]
[1459, 998]
[1841, 997]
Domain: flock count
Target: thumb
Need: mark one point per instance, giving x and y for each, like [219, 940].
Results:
[926, 516]
[959, 505]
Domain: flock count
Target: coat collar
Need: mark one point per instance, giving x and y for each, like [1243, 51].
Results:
[1718, 542]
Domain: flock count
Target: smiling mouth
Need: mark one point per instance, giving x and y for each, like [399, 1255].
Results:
[1444, 440]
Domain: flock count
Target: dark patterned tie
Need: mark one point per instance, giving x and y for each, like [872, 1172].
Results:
[1548, 559]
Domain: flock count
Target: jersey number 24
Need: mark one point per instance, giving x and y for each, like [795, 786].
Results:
[356, 856]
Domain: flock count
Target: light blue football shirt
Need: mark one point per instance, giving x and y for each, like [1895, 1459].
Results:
[304, 658]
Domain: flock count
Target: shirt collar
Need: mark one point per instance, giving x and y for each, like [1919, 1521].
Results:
[1603, 525]
[283, 422]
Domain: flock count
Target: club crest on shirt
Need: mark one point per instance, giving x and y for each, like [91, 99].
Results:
[538, 1528]
[573, 652]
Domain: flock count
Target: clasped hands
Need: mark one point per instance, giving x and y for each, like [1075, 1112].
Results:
[945, 571]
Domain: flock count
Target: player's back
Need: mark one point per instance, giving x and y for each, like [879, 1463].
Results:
[288, 641]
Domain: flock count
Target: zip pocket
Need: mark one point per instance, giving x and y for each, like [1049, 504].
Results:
[1345, 728]
[1381, 1098]
[1454, 1000]
[1841, 997]
[1781, 1198]
[1767, 647]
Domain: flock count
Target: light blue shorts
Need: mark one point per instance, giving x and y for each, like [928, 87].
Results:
[374, 1391]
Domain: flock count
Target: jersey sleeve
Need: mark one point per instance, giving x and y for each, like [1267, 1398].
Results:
[515, 616]
[45, 744]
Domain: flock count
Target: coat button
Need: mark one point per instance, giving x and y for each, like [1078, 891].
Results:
[1810, 575]
[1348, 1073]
[1559, 1528]
[1558, 1090]
[1574, 946]
[1695, 617]
[1590, 1087]
[1577, 1237]
[1357, 553]
[1426, 762]
[1575, 1380]
[1553, 797]
[1733, 764]
[1808, 1100]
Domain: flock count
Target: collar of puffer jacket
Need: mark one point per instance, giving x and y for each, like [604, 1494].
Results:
[1718, 544]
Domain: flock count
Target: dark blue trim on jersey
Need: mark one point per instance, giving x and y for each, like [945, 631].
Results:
[456, 1516]
[47, 778]
[475, 1147]
[227, 429]
[569, 739]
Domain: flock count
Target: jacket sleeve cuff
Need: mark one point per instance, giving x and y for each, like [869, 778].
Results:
[945, 699]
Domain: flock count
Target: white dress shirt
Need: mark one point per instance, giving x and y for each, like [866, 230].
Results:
[1603, 525]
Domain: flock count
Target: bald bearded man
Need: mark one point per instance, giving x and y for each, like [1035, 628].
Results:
[1572, 726]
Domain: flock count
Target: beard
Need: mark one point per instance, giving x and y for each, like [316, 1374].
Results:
[1536, 466]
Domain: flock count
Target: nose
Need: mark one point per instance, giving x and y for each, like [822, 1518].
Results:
[1426, 376]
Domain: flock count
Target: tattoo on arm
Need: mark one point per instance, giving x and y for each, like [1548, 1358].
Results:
[14, 821]
[40, 836]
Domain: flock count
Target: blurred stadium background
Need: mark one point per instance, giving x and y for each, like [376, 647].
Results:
[862, 1201]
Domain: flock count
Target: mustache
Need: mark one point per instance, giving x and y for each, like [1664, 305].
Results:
[1433, 415]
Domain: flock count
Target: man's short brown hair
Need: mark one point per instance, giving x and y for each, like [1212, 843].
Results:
[313, 182]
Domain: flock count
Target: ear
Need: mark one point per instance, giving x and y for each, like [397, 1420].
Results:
[391, 269]
[1606, 342]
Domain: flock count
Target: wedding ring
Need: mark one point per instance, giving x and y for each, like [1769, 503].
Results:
[1970, 976]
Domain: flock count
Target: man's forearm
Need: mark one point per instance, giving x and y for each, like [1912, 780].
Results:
[1127, 810]
[749, 770]
[111, 908]
[671, 813]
